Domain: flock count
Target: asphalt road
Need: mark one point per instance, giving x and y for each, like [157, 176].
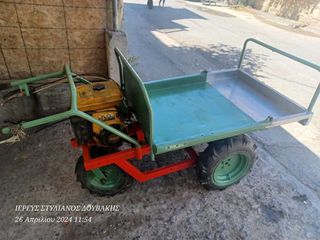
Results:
[279, 199]
[185, 37]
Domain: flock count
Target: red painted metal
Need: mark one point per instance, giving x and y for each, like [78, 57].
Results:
[155, 173]
[74, 143]
[93, 163]
[134, 129]
[158, 172]
[122, 159]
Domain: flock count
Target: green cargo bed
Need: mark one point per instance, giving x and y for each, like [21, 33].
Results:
[184, 111]
[187, 110]
[181, 112]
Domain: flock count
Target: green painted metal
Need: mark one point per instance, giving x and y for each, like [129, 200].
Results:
[99, 174]
[67, 114]
[72, 87]
[48, 119]
[6, 130]
[182, 111]
[314, 99]
[189, 111]
[231, 169]
[288, 55]
[23, 84]
[106, 178]
[136, 95]
[37, 78]
[173, 82]
[107, 127]
[81, 79]
[25, 89]
[160, 148]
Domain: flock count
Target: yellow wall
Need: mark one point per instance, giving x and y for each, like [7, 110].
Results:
[38, 36]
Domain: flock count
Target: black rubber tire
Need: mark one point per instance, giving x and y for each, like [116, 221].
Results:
[218, 151]
[81, 174]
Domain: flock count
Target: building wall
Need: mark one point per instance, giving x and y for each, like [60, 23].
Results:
[39, 36]
[293, 9]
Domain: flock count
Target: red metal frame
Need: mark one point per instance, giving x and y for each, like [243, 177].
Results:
[121, 159]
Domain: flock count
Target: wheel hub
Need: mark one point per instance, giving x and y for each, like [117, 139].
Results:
[112, 178]
[231, 169]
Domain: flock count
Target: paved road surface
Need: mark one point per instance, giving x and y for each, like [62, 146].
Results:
[185, 37]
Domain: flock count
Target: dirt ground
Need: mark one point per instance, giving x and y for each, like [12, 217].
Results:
[40, 170]
[279, 199]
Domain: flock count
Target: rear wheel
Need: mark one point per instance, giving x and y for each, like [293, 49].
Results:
[105, 181]
[226, 162]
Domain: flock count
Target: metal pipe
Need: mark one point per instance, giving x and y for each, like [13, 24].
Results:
[288, 55]
[115, 15]
[273, 49]
[314, 98]
[73, 89]
[107, 127]
[36, 79]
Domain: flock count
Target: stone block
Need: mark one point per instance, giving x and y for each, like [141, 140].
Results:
[37, 16]
[109, 16]
[79, 38]
[86, 3]
[89, 61]
[17, 63]
[45, 38]
[8, 15]
[42, 2]
[115, 40]
[47, 60]
[3, 69]
[10, 37]
[86, 18]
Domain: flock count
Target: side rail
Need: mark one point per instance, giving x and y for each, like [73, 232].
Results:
[72, 112]
[288, 55]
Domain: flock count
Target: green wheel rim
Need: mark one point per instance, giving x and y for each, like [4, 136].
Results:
[114, 178]
[231, 169]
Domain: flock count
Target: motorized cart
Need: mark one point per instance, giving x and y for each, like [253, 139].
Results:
[160, 116]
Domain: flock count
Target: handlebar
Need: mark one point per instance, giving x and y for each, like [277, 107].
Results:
[72, 112]
[288, 55]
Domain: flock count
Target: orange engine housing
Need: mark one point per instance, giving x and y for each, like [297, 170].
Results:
[100, 100]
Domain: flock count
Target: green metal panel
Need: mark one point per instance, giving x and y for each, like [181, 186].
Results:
[173, 82]
[23, 84]
[182, 111]
[193, 113]
[136, 94]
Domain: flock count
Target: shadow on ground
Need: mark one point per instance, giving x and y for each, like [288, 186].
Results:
[216, 56]
[166, 20]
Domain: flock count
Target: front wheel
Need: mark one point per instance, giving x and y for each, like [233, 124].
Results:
[226, 162]
[105, 181]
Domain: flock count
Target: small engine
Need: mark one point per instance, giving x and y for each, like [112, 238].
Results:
[102, 101]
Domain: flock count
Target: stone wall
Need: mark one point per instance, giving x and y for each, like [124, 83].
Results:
[39, 36]
[293, 9]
